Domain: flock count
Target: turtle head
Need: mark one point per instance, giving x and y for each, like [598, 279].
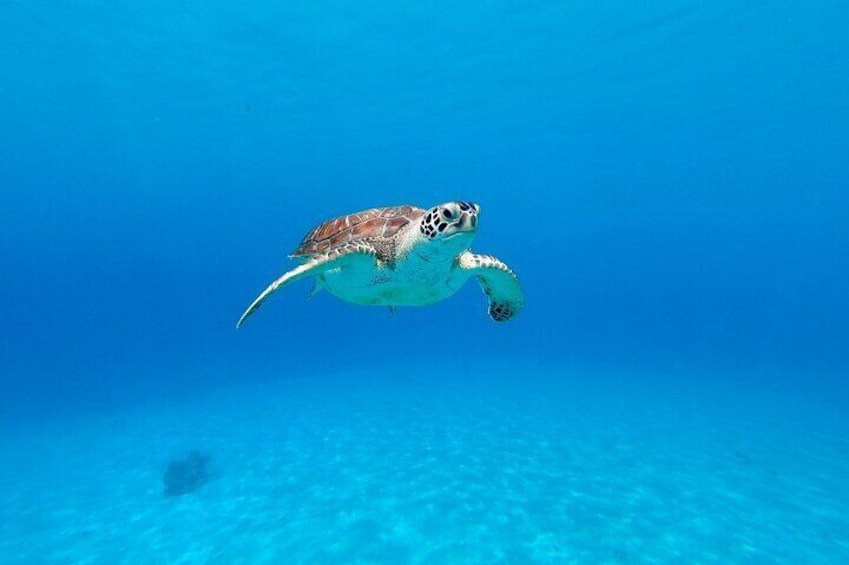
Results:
[451, 226]
[450, 219]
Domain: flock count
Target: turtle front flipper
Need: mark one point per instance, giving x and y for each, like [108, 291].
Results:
[498, 282]
[311, 267]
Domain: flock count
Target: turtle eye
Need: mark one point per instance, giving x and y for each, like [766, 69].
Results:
[449, 214]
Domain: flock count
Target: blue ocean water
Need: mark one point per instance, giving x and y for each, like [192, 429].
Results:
[669, 180]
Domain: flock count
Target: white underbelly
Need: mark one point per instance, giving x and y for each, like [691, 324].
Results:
[361, 282]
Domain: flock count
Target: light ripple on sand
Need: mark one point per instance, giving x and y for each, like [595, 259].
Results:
[379, 469]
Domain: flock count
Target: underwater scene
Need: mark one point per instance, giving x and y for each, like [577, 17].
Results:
[554, 282]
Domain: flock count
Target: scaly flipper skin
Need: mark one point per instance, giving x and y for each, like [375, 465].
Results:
[311, 267]
[498, 282]
[295, 274]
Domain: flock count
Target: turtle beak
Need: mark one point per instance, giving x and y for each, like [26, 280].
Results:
[469, 220]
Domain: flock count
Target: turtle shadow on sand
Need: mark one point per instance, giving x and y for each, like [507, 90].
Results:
[184, 476]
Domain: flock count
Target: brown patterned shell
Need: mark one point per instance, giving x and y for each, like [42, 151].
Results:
[374, 223]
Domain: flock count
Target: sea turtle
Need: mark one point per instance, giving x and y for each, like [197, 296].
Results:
[400, 256]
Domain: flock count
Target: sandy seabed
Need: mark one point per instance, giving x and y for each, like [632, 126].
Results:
[490, 466]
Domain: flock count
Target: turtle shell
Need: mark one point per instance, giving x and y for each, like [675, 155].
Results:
[374, 223]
